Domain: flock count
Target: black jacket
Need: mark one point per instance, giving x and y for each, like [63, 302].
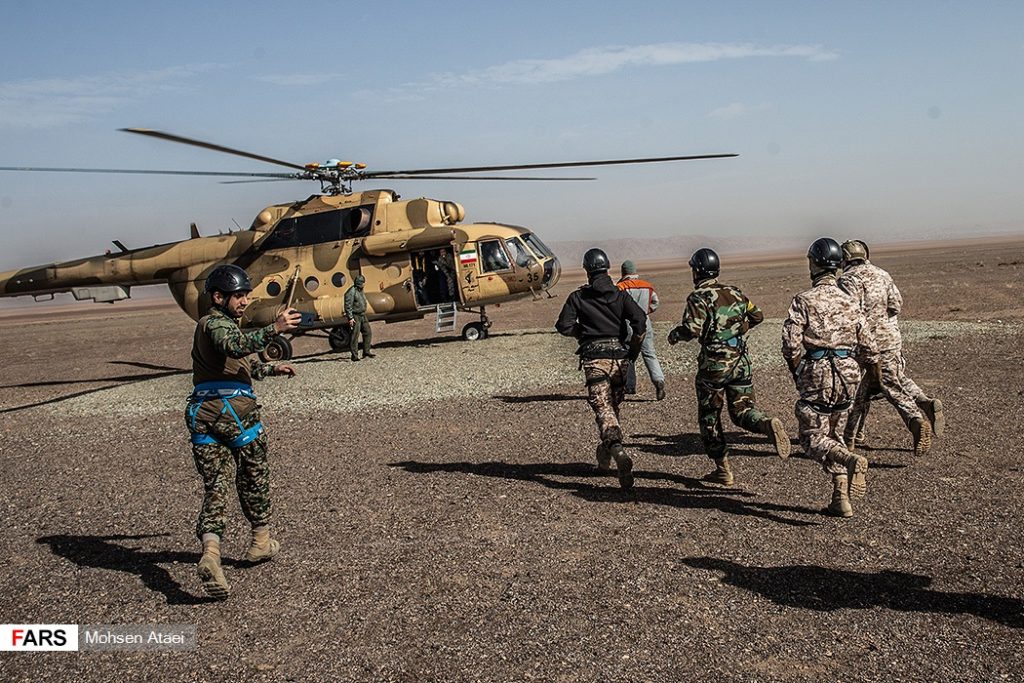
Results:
[599, 310]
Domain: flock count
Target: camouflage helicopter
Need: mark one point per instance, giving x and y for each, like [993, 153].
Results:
[417, 256]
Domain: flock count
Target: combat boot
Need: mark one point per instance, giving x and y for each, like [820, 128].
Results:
[354, 357]
[211, 573]
[840, 505]
[932, 409]
[922, 434]
[857, 472]
[722, 474]
[774, 429]
[624, 464]
[262, 547]
[604, 459]
[659, 390]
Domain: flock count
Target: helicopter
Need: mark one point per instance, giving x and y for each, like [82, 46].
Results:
[417, 256]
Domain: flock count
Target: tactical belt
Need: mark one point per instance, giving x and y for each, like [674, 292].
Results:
[825, 408]
[224, 391]
[605, 347]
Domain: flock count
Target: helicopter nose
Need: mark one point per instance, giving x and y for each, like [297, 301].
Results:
[552, 271]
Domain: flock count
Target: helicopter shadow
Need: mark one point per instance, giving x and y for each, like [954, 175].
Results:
[695, 495]
[117, 380]
[689, 443]
[103, 552]
[827, 590]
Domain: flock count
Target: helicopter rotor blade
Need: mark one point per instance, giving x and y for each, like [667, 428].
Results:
[565, 164]
[286, 176]
[160, 135]
[260, 180]
[399, 176]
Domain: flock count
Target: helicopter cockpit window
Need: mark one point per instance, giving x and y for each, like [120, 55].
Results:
[538, 247]
[493, 256]
[519, 253]
[318, 228]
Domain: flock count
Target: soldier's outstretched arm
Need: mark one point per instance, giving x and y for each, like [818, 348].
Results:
[793, 334]
[566, 323]
[232, 342]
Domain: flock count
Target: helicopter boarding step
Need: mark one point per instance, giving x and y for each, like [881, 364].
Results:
[445, 317]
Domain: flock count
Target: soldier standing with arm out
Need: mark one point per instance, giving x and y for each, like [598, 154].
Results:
[355, 311]
[596, 314]
[642, 292]
[824, 338]
[718, 316]
[228, 439]
[881, 302]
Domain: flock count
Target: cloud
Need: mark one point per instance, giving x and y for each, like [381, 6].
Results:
[52, 102]
[598, 61]
[296, 80]
[736, 110]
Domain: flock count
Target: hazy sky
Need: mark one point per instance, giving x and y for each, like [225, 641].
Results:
[890, 119]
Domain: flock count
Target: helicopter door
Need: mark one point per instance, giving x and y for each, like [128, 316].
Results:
[434, 277]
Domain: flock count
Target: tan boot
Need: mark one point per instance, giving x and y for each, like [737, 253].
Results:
[857, 471]
[211, 573]
[922, 436]
[722, 474]
[932, 409]
[780, 439]
[624, 463]
[840, 505]
[263, 547]
[604, 459]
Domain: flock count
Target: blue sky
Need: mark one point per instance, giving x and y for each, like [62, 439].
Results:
[895, 120]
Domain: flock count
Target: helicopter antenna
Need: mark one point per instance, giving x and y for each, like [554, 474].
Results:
[236, 224]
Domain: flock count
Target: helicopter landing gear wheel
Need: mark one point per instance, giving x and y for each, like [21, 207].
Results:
[474, 332]
[339, 338]
[279, 348]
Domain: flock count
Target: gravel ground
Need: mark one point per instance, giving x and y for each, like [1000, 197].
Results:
[441, 519]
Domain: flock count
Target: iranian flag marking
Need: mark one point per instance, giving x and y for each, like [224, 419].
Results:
[467, 256]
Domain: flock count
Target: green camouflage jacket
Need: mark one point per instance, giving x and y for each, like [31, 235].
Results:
[714, 315]
[220, 350]
[355, 302]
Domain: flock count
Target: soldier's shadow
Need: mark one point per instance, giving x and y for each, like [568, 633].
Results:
[695, 495]
[825, 589]
[101, 552]
[689, 443]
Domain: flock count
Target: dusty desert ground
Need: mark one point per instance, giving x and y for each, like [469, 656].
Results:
[441, 519]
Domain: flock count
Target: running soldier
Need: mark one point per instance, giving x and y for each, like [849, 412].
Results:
[718, 316]
[596, 315]
[228, 439]
[823, 339]
[880, 302]
[642, 292]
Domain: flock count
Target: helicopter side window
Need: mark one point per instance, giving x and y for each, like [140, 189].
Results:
[538, 247]
[519, 253]
[318, 228]
[493, 256]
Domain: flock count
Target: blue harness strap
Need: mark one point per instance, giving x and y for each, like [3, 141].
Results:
[818, 354]
[223, 390]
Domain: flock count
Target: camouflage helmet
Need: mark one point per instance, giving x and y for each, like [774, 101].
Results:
[825, 255]
[705, 264]
[595, 261]
[855, 250]
[227, 279]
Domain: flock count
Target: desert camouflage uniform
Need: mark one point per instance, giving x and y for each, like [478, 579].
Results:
[880, 301]
[718, 316]
[220, 353]
[822, 321]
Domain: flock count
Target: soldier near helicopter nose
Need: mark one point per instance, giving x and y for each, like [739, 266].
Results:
[880, 302]
[597, 314]
[228, 439]
[718, 316]
[355, 312]
[826, 341]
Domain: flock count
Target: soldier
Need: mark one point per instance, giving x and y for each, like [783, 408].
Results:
[642, 292]
[596, 314]
[355, 311]
[823, 339]
[880, 302]
[718, 316]
[224, 421]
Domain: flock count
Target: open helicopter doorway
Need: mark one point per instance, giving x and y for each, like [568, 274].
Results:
[435, 281]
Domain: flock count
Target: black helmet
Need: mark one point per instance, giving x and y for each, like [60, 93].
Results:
[825, 254]
[595, 260]
[228, 279]
[705, 264]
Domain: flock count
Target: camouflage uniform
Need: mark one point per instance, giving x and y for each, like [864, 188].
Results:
[823, 338]
[880, 301]
[219, 353]
[355, 310]
[718, 316]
